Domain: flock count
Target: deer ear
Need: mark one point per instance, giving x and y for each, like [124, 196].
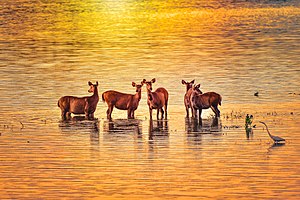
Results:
[133, 84]
[96, 83]
[144, 81]
[90, 83]
[183, 82]
[193, 81]
[198, 86]
[153, 80]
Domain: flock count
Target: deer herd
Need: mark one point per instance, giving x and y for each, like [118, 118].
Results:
[194, 99]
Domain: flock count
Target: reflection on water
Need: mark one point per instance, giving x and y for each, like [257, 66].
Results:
[249, 133]
[235, 48]
[195, 129]
[158, 128]
[122, 126]
[79, 125]
[202, 125]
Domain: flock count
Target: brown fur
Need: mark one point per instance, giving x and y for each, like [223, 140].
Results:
[204, 101]
[79, 105]
[157, 99]
[187, 95]
[123, 101]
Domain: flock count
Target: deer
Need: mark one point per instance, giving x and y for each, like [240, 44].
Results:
[80, 105]
[206, 100]
[157, 99]
[122, 101]
[187, 95]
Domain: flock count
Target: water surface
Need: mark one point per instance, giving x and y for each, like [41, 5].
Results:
[52, 49]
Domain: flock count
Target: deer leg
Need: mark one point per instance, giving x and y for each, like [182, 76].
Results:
[109, 111]
[194, 113]
[187, 111]
[68, 115]
[92, 116]
[150, 112]
[166, 110]
[200, 111]
[86, 111]
[128, 114]
[200, 121]
[218, 111]
[214, 110]
[162, 113]
[157, 114]
[63, 114]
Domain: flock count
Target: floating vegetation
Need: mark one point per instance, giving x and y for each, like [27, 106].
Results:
[248, 121]
[233, 115]
[232, 127]
[22, 125]
[293, 93]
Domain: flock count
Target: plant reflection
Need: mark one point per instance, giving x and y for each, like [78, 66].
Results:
[249, 133]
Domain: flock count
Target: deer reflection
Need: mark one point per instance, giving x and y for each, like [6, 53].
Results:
[122, 126]
[158, 128]
[79, 124]
[158, 137]
[202, 126]
[195, 129]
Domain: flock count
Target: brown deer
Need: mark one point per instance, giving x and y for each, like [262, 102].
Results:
[80, 105]
[122, 101]
[157, 99]
[204, 101]
[187, 95]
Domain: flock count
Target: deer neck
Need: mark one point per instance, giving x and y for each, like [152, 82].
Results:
[188, 88]
[95, 95]
[148, 91]
[138, 95]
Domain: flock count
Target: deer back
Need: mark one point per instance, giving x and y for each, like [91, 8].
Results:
[72, 104]
[120, 100]
[206, 100]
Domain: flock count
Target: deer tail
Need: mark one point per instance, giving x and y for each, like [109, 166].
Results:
[220, 99]
[103, 97]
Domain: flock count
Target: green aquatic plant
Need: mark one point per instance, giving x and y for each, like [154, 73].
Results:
[248, 121]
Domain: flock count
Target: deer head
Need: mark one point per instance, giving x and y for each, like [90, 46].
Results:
[149, 83]
[138, 87]
[188, 84]
[93, 87]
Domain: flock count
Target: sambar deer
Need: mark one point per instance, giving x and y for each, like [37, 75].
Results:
[122, 101]
[157, 99]
[80, 105]
[187, 95]
[204, 101]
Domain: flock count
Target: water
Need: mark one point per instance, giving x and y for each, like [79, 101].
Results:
[52, 49]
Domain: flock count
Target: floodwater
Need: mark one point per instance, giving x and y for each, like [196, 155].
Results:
[236, 48]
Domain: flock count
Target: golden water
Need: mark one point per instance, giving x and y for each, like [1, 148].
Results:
[53, 48]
